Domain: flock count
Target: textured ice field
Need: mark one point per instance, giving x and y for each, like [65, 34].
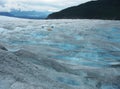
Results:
[59, 54]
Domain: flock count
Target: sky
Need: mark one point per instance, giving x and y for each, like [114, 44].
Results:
[37, 5]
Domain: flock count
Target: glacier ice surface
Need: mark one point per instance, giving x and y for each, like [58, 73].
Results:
[59, 54]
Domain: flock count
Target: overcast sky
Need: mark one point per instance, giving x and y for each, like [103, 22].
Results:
[38, 5]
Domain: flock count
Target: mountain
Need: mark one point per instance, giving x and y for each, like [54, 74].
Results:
[26, 14]
[100, 9]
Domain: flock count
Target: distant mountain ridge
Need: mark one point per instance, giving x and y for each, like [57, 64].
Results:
[99, 9]
[26, 14]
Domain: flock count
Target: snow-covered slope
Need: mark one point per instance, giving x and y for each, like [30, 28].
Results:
[59, 54]
[26, 14]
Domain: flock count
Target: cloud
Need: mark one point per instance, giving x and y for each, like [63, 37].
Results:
[38, 5]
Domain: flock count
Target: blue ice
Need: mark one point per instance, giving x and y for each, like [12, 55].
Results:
[68, 81]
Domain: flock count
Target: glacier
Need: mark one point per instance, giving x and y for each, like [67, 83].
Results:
[59, 54]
